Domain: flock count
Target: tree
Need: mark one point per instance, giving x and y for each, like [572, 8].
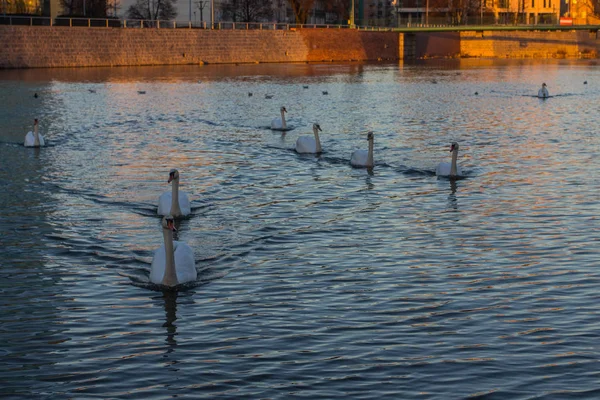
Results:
[152, 10]
[87, 8]
[458, 10]
[341, 8]
[247, 10]
[301, 9]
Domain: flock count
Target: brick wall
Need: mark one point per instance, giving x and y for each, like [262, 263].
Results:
[31, 47]
[38, 46]
[529, 44]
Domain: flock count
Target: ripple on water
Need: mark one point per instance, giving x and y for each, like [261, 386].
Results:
[316, 280]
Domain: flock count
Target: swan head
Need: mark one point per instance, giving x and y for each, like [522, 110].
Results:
[282, 109]
[35, 121]
[317, 127]
[453, 147]
[544, 84]
[173, 175]
[370, 136]
[168, 222]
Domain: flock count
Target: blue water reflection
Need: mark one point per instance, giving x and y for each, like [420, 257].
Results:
[316, 279]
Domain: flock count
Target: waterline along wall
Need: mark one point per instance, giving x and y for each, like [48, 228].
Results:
[44, 46]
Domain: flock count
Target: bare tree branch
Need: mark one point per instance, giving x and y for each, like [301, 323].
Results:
[247, 10]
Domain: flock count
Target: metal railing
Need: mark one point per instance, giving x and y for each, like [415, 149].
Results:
[165, 24]
[159, 24]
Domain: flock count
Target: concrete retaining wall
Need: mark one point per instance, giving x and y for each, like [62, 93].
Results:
[39, 46]
[529, 44]
[31, 47]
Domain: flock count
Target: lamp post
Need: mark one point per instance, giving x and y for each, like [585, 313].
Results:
[481, 12]
[352, 14]
[201, 4]
[427, 13]
[190, 13]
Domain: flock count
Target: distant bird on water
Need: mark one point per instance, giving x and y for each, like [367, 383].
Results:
[249, 94]
[305, 86]
[585, 82]
[308, 144]
[543, 92]
[34, 139]
[325, 92]
[91, 90]
[279, 123]
[35, 95]
[363, 158]
[450, 169]
[141, 92]
[268, 96]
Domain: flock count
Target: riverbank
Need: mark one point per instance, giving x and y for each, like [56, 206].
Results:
[46, 46]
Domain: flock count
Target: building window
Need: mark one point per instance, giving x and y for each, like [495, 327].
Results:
[532, 3]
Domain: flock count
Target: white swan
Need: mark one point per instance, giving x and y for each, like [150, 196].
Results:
[450, 169]
[173, 262]
[34, 139]
[543, 92]
[174, 203]
[308, 144]
[279, 123]
[363, 158]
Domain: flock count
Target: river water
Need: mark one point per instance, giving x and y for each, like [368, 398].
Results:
[315, 279]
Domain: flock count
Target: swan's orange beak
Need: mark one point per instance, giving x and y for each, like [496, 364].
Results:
[171, 225]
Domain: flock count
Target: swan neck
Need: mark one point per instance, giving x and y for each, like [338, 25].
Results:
[175, 210]
[283, 125]
[170, 277]
[453, 167]
[317, 141]
[36, 136]
[370, 154]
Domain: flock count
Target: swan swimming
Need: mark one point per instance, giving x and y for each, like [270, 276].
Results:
[174, 203]
[279, 122]
[450, 169]
[308, 144]
[173, 263]
[543, 92]
[34, 139]
[363, 158]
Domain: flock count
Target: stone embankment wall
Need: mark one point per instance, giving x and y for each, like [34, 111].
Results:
[38, 46]
[529, 44]
[31, 47]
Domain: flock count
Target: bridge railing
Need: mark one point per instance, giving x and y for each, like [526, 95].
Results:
[112, 22]
[159, 24]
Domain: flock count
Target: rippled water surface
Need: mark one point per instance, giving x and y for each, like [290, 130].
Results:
[315, 279]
